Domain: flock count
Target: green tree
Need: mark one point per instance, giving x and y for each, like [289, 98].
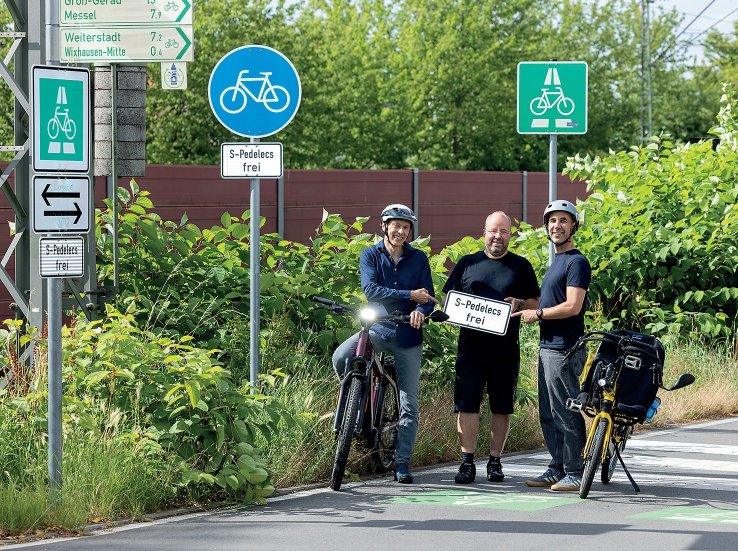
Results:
[433, 84]
[181, 127]
[7, 114]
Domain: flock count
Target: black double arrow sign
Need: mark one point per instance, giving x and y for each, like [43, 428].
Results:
[46, 195]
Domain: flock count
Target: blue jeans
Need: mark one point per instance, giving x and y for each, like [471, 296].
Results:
[407, 361]
[563, 430]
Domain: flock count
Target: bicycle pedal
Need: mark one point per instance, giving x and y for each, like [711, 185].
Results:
[574, 405]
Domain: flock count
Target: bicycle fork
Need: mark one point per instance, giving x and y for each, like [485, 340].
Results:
[593, 430]
[343, 393]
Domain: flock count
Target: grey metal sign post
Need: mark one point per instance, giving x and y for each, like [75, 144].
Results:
[61, 205]
[552, 99]
[254, 91]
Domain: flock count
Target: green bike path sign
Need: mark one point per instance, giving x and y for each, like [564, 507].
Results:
[552, 97]
[61, 119]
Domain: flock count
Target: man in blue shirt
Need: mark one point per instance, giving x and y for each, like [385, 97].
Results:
[398, 277]
[561, 317]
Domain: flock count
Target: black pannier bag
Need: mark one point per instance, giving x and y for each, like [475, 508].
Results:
[641, 370]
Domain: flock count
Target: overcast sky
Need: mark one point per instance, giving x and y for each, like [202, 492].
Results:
[718, 14]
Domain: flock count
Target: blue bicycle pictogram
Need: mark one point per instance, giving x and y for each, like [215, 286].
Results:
[254, 91]
[234, 98]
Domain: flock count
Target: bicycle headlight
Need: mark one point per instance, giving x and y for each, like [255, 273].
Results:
[368, 314]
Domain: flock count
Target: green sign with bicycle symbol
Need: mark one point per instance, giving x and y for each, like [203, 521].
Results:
[61, 119]
[552, 97]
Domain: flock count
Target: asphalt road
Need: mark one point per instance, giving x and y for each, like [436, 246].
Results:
[688, 501]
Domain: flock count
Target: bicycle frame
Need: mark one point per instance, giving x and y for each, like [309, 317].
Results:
[364, 408]
[242, 80]
[603, 400]
[368, 367]
[558, 94]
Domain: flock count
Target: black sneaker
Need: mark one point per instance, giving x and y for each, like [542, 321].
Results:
[494, 471]
[467, 473]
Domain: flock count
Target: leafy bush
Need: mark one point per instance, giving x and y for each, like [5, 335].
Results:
[661, 231]
[165, 398]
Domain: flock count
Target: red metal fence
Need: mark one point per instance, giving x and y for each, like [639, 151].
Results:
[450, 204]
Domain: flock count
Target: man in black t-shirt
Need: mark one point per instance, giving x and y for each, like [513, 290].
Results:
[561, 317]
[485, 359]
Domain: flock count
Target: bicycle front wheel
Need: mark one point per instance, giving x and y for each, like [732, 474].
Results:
[388, 425]
[276, 99]
[565, 106]
[594, 455]
[346, 433]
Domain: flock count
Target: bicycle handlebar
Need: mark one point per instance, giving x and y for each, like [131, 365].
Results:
[437, 315]
[624, 343]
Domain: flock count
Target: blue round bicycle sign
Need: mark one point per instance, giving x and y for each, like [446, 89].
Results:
[254, 91]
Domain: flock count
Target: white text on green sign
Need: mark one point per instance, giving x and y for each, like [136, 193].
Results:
[552, 97]
[121, 44]
[140, 12]
[61, 119]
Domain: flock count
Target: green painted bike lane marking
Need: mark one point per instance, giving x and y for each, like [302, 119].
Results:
[509, 501]
[685, 513]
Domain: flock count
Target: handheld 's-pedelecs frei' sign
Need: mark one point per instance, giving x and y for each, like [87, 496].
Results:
[483, 314]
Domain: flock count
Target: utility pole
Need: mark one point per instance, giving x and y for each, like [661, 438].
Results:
[646, 92]
[649, 65]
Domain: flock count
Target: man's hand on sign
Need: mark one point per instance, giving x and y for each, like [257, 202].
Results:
[421, 296]
[516, 303]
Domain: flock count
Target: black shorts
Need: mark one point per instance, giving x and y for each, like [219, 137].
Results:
[498, 373]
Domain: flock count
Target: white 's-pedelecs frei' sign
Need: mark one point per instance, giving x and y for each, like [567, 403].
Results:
[483, 314]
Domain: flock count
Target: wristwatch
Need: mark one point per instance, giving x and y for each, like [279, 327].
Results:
[539, 313]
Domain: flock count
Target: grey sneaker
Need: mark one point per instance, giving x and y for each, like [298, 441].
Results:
[546, 480]
[570, 483]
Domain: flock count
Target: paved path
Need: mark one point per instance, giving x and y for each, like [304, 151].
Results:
[689, 501]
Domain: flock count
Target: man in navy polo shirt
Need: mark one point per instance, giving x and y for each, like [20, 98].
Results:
[560, 314]
[398, 277]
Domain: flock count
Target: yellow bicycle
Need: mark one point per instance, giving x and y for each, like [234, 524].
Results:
[619, 384]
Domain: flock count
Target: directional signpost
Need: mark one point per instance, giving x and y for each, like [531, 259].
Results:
[120, 44]
[61, 205]
[125, 12]
[125, 31]
[552, 99]
[61, 119]
[254, 91]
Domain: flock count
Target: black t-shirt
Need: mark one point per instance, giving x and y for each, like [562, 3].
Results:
[510, 276]
[569, 269]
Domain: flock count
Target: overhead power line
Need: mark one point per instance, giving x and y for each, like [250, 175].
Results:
[673, 42]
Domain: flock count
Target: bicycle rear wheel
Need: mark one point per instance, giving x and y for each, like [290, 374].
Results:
[346, 433]
[385, 446]
[592, 461]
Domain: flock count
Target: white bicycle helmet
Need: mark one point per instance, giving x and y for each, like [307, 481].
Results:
[565, 206]
[397, 211]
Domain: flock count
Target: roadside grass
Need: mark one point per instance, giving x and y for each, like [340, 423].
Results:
[101, 480]
[106, 479]
[306, 455]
